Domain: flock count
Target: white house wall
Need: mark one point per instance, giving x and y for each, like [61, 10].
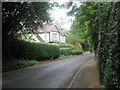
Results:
[44, 36]
[54, 37]
[34, 37]
[62, 39]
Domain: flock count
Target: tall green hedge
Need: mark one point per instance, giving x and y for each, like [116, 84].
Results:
[108, 48]
[69, 51]
[76, 52]
[65, 51]
[32, 50]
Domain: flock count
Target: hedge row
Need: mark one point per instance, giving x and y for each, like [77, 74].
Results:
[107, 44]
[69, 51]
[17, 64]
[63, 45]
[77, 52]
[65, 51]
[32, 50]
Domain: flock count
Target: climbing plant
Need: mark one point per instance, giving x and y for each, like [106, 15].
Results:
[108, 46]
[99, 23]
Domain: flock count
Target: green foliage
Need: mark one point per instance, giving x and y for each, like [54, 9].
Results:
[98, 24]
[83, 25]
[77, 46]
[39, 51]
[77, 52]
[69, 51]
[64, 57]
[65, 45]
[17, 64]
[72, 39]
[31, 50]
[18, 17]
[65, 51]
[108, 47]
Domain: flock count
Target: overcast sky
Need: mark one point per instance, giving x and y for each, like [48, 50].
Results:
[59, 15]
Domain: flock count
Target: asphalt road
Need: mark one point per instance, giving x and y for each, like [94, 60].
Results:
[50, 75]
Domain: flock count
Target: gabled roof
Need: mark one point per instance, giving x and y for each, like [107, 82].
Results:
[49, 28]
[46, 28]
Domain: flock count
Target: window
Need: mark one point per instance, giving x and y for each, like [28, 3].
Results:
[54, 36]
[45, 37]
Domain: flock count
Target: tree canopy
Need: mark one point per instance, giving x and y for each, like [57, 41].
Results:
[23, 16]
[83, 26]
[98, 24]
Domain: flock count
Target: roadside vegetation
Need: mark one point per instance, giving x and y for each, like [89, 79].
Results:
[95, 28]
[26, 53]
[97, 24]
[18, 64]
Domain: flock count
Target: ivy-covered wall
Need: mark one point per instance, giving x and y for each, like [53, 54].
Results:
[98, 24]
[108, 47]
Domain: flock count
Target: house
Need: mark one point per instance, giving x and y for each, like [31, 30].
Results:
[49, 33]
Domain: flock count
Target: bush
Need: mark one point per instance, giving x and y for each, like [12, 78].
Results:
[31, 50]
[40, 51]
[107, 45]
[77, 52]
[65, 51]
[69, 51]
[64, 57]
[77, 46]
[65, 45]
[17, 64]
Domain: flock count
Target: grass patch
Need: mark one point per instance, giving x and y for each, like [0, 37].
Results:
[64, 57]
[18, 64]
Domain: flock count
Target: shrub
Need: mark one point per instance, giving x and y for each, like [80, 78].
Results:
[65, 45]
[77, 52]
[17, 64]
[31, 50]
[65, 51]
[40, 51]
[107, 45]
[77, 46]
[64, 57]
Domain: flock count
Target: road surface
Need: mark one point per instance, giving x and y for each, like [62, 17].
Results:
[50, 75]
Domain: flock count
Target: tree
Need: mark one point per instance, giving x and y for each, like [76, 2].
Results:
[18, 15]
[72, 39]
[83, 26]
[99, 23]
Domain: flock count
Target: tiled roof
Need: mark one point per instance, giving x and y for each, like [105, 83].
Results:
[49, 28]
[46, 28]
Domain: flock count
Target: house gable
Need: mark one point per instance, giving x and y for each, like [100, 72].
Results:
[50, 33]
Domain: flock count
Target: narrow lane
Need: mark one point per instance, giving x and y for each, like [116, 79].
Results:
[49, 75]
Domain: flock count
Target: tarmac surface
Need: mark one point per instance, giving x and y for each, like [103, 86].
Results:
[50, 75]
[87, 76]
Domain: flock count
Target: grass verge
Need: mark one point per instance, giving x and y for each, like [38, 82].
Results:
[18, 64]
[64, 57]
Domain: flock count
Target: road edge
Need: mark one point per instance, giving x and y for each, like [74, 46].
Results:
[75, 75]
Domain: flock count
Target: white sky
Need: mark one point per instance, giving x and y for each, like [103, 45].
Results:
[60, 16]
